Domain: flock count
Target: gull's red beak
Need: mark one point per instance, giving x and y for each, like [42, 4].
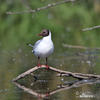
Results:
[40, 34]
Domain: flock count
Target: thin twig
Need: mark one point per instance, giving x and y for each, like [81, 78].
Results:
[77, 47]
[91, 28]
[41, 8]
[25, 73]
[64, 73]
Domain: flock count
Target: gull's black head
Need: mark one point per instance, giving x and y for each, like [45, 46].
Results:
[44, 33]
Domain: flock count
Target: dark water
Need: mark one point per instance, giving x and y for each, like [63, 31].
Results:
[44, 84]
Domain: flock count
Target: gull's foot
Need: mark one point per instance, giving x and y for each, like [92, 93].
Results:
[47, 94]
[39, 65]
[39, 96]
[47, 66]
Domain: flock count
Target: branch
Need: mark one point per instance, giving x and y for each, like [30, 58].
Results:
[91, 28]
[74, 46]
[62, 73]
[25, 73]
[41, 8]
[77, 47]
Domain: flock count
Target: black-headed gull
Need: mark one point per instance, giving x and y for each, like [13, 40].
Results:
[44, 47]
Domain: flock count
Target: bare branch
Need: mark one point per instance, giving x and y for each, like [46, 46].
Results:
[77, 47]
[74, 46]
[25, 73]
[91, 28]
[41, 8]
[64, 73]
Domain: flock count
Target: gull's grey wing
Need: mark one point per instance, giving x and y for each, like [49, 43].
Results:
[36, 44]
[33, 46]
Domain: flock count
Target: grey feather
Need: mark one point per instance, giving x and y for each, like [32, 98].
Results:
[36, 44]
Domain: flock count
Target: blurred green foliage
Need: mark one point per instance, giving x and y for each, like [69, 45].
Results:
[65, 21]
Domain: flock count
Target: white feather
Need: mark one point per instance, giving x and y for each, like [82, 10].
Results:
[44, 47]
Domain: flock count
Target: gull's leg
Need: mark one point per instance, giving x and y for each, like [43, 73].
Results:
[38, 64]
[47, 63]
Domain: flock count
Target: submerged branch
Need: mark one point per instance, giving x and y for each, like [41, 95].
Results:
[41, 8]
[61, 73]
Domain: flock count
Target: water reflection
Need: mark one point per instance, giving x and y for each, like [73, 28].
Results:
[41, 85]
[60, 88]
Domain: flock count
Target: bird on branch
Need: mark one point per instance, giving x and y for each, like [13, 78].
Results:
[44, 47]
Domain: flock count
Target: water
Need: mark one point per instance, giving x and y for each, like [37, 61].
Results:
[44, 84]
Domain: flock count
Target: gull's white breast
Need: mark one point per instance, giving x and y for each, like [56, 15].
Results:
[44, 48]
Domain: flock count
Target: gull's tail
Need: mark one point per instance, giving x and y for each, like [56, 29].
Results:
[30, 45]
